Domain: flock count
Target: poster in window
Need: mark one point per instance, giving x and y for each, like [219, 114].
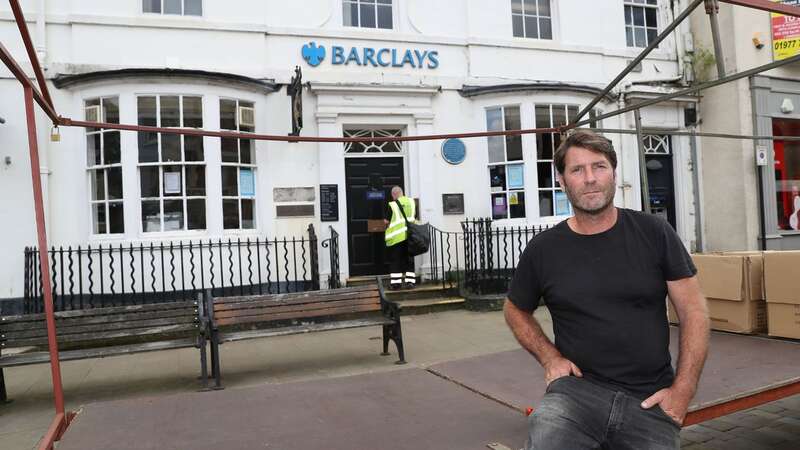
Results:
[515, 177]
[513, 199]
[499, 206]
[563, 208]
[247, 185]
[785, 33]
[172, 182]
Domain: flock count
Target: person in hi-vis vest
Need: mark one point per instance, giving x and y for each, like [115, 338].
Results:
[401, 264]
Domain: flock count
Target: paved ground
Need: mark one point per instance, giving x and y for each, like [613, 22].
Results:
[430, 339]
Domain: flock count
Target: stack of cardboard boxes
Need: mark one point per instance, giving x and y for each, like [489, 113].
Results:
[751, 292]
[782, 284]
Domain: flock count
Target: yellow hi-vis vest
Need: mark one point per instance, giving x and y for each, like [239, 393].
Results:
[396, 231]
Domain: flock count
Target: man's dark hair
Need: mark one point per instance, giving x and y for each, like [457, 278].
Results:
[588, 140]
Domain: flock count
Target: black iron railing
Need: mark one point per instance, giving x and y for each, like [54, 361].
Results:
[129, 274]
[446, 258]
[491, 253]
[332, 244]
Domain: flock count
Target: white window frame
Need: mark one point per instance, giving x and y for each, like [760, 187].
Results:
[505, 163]
[374, 131]
[239, 166]
[525, 13]
[182, 13]
[358, 3]
[570, 110]
[630, 28]
[160, 164]
[92, 168]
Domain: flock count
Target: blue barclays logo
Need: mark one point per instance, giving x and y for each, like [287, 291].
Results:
[313, 54]
[367, 56]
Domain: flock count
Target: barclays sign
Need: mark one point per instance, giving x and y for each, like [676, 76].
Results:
[315, 54]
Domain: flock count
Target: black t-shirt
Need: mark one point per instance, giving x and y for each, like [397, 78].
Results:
[606, 294]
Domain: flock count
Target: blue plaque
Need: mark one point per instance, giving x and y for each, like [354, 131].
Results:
[454, 151]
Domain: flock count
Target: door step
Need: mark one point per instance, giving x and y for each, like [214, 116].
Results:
[429, 305]
[360, 280]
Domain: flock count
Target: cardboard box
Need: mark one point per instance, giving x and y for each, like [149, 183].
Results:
[782, 285]
[784, 320]
[738, 317]
[376, 226]
[782, 277]
[733, 285]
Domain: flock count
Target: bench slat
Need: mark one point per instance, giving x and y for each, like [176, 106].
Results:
[23, 359]
[102, 311]
[248, 310]
[349, 291]
[102, 336]
[277, 301]
[283, 331]
[65, 330]
[296, 315]
[82, 321]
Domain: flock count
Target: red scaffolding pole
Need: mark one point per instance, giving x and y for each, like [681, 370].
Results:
[42, 97]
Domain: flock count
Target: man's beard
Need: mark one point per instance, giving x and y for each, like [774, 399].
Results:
[591, 206]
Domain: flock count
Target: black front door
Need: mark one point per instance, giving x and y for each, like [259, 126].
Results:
[662, 186]
[369, 183]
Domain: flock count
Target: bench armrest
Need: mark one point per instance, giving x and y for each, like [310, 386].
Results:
[390, 308]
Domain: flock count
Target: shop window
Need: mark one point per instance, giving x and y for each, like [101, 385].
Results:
[104, 165]
[238, 166]
[506, 167]
[172, 170]
[367, 13]
[532, 19]
[641, 22]
[787, 174]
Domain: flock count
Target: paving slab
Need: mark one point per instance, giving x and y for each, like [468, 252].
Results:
[406, 409]
[736, 365]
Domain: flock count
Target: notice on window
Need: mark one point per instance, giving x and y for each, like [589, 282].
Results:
[172, 182]
[513, 198]
[247, 183]
[562, 204]
[515, 177]
[785, 33]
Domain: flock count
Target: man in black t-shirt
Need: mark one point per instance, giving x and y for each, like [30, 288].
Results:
[604, 274]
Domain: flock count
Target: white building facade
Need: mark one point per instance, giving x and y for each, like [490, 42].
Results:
[370, 67]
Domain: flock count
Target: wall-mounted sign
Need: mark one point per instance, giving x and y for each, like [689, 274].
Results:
[453, 203]
[454, 151]
[329, 202]
[785, 33]
[314, 54]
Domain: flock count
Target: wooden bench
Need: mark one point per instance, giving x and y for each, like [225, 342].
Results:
[101, 332]
[239, 318]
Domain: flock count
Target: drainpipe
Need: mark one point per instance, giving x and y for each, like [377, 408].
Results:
[41, 34]
[621, 151]
[759, 172]
[676, 35]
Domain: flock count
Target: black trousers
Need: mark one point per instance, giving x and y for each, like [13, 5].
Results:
[401, 264]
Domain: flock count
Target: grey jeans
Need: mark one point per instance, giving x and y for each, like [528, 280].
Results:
[578, 414]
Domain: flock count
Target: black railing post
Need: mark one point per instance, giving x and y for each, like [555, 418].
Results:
[332, 244]
[312, 244]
